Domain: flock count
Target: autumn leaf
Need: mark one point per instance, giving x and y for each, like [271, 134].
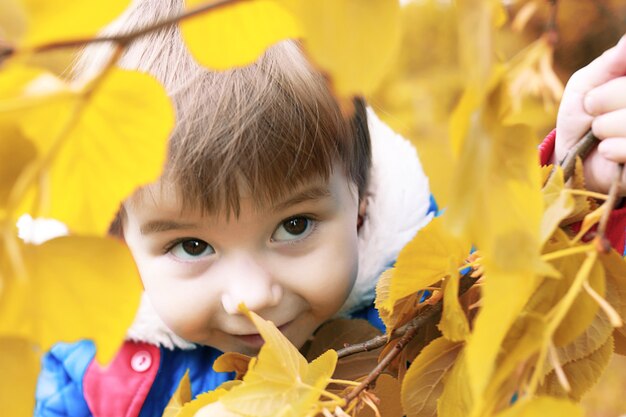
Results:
[404, 309]
[584, 308]
[181, 396]
[103, 143]
[543, 406]
[453, 324]
[63, 295]
[581, 374]
[19, 364]
[423, 382]
[232, 362]
[424, 261]
[557, 203]
[207, 404]
[497, 204]
[339, 36]
[237, 34]
[280, 380]
[53, 21]
[456, 399]
[615, 269]
[16, 153]
[336, 334]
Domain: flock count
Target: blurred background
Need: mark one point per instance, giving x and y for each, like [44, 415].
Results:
[547, 41]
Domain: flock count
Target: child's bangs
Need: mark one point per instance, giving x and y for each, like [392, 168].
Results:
[260, 131]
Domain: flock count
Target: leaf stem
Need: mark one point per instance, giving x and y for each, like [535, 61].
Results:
[566, 252]
[597, 196]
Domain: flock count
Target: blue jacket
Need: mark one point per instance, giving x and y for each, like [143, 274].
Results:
[139, 382]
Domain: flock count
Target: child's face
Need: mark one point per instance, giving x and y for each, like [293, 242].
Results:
[293, 263]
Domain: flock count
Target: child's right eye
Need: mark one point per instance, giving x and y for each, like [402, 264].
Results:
[189, 249]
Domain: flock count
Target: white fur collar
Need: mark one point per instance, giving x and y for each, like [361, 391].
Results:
[398, 200]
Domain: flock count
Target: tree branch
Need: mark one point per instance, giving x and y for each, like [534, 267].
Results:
[582, 149]
[6, 50]
[406, 334]
[426, 315]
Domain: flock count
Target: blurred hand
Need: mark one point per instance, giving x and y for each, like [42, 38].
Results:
[595, 97]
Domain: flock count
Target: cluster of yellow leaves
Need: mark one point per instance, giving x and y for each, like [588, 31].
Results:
[74, 150]
[278, 382]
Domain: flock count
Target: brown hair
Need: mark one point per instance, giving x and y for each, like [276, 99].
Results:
[268, 126]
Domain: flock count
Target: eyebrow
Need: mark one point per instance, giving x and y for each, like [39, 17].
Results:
[312, 193]
[156, 226]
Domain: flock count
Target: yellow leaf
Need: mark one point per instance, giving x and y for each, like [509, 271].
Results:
[456, 399]
[109, 142]
[525, 338]
[23, 87]
[581, 374]
[12, 20]
[280, 380]
[615, 268]
[52, 21]
[232, 362]
[557, 204]
[16, 152]
[543, 406]
[70, 282]
[584, 308]
[496, 203]
[19, 366]
[453, 324]
[340, 36]
[582, 204]
[593, 337]
[387, 391]
[181, 396]
[207, 405]
[237, 34]
[424, 261]
[403, 310]
[423, 382]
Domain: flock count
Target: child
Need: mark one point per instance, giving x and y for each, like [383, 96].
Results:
[269, 197]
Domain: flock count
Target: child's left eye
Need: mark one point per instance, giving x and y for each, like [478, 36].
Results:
[294, 228]
[190, 249]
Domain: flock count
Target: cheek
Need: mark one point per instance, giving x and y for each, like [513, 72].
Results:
[185, 305]
[331, 272]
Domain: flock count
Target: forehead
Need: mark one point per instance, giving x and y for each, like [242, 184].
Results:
[164, 198]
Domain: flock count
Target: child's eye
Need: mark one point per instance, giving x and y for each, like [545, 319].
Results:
[191, 249]
[294, 228]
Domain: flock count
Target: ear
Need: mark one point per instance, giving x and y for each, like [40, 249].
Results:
[362, 211]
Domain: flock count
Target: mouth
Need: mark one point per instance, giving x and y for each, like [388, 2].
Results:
[255, 340]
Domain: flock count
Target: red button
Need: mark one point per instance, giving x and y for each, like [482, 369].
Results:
[141, 361]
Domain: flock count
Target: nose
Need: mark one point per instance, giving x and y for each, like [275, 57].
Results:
[248, 282]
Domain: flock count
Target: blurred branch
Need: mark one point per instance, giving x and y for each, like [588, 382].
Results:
[7, 50]
[581, 149]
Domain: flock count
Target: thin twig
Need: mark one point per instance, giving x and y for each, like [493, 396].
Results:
[581, 149]
[427, 314]
[407, 332]
[604, 244]
[124, 39]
